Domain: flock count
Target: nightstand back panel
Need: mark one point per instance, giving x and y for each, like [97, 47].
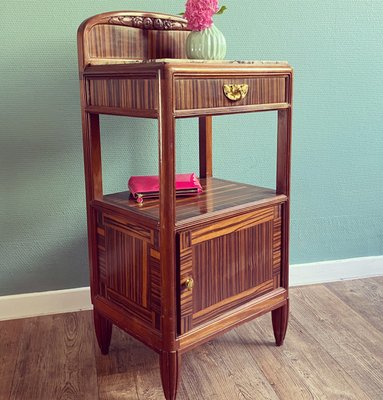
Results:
[135, 44]
[119, 42]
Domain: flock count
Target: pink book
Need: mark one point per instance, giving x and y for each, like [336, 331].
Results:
[144, 187]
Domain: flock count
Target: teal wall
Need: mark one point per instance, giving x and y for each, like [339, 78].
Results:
[335, 47]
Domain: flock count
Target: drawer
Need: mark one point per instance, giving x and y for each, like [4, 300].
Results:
[205, 93]
[227, 263]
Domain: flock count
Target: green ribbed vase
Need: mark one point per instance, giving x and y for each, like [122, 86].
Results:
[209, 44]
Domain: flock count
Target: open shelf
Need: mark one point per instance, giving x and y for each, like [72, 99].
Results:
[219, 196]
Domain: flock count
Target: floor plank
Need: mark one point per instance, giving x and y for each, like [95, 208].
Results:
[56, 359]
[201, 383]
[249, 379]
[333, 350]
[129, 371]
[348, 338]
[234, 378]
[364, 296]
[10, 333]
[302, 368]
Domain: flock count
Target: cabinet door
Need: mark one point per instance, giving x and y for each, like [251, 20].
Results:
[227, 263]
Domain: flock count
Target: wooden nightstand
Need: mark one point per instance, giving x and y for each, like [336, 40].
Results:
[175, 272]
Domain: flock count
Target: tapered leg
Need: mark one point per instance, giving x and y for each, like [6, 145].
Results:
[169, 366]
[280, 317]
[103, 329]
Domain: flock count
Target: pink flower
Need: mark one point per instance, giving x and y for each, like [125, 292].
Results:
[199, 13]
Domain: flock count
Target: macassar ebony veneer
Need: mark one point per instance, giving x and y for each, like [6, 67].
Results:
[175, 272]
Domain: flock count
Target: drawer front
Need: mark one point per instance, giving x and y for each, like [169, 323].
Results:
[193, 94]
[228, 263]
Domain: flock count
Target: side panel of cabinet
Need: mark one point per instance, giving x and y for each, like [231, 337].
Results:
[123, 94]
[126, 267]
[230, 263]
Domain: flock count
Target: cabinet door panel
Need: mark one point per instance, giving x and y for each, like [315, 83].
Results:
[229, 263]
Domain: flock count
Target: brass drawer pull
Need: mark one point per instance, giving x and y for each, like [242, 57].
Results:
[189, 283]
[235, 92]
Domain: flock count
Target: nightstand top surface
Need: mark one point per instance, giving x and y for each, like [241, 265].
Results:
[103, 61]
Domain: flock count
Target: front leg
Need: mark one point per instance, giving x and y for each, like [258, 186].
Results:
[103, 329]
[169, 367]
[280, 317]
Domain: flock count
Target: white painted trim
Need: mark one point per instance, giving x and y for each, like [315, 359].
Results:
[71, 300]
[335, 270]
[44, 303]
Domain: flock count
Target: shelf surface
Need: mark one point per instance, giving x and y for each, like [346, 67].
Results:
[103, 61]
[218, 197]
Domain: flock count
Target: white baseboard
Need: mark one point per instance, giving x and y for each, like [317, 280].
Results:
[71, 300]
[335, 270]
[44, 303]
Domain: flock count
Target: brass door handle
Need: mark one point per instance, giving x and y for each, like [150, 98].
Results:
[235, 92]
[189, 283]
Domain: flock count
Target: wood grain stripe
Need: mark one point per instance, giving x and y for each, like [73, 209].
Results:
[238, 223]
[277, 243]
[186, 271]
[101, 257]
[133, 230]
[155, 254]
[145, 256]
[155, 283]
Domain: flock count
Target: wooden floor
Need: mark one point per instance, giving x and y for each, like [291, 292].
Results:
[333, 350]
